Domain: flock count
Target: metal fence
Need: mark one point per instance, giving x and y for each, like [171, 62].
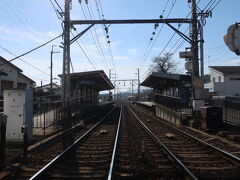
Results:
[231, 109]
[174, 103]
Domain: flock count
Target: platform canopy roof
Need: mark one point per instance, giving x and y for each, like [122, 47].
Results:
[160, 80]
[94, 79]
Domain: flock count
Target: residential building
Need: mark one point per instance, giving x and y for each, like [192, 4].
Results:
[47, 88]
[12, 77]
[224, 81]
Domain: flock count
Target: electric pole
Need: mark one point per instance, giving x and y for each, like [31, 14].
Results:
[132, 89]
[110, 93]
[201, 50]
[51, 66]
[66, 54]
[65, 89]
[195, 63]
[138, 73]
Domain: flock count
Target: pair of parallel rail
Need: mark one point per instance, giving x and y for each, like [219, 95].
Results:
[96, 154]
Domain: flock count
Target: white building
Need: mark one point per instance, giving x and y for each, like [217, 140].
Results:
[224, 80]
[11, 77]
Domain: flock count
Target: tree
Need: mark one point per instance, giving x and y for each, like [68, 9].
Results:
[164, 64]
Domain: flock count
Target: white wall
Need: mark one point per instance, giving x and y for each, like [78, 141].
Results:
[12, 75]
[226, 87]
[21, 79]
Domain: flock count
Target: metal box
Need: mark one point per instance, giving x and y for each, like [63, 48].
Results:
[18, 109]
[211, 117]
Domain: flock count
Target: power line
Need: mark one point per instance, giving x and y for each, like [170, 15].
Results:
[19, 17]
[147, 54]
[33, 49]
[98, 41]
[170, 39]
[23, 60]
[85, 54]
[216, 5]
[104, 28]
[58, 5]
[96, 45]
[56, 10]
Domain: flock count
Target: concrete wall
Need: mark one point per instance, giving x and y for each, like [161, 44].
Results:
[169, 115]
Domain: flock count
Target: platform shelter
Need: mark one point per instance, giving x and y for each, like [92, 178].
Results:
[85, 86]
[171, 95]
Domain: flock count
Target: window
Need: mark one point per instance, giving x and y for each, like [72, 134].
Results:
[21, 85]
[235, 79]
[6, 84]
[214, 80]
[219, 78]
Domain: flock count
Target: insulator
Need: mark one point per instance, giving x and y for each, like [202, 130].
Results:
[151, 39]
[153, 33]
[107, 36]
[156, 25]
[108, 42]
[161, 16]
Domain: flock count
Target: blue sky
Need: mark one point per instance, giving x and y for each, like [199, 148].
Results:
[25, 24]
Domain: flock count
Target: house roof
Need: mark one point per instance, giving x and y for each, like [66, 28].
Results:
[24, 76]
[160, 80]
[227, 69]
[54, 86]
[4, 61]
[95, 79]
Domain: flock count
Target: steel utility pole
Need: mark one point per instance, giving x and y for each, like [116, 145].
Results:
[51, 66]
[201, 50]
[66, 54]
[195, 71]
[110, 95]
[132, 89]
[138, 73]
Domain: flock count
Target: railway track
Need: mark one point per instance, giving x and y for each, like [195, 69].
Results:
[202, 159]
[140, 156]
[89, 157]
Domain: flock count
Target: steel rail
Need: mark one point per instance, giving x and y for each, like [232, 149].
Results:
[57, 158]
[226, 154]
[172, 155]
[115, 146]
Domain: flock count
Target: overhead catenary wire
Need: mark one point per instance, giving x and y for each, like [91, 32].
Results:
[85, 54]
[147, 54]
[96, 45]
[147, 51]
[98, 40]
[105, 28]
[169, 41]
